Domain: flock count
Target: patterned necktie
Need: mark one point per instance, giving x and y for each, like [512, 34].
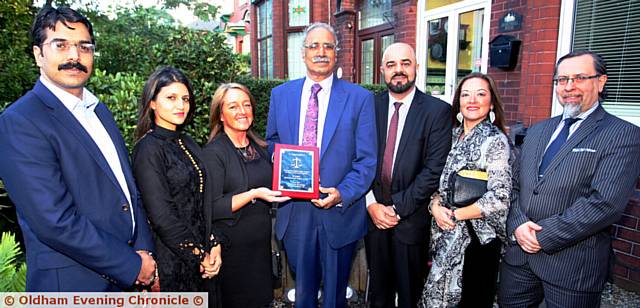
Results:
[387, 159]
[310, 133]
[556, 145]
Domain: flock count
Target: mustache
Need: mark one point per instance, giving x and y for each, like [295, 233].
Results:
[317, 59]
[72, 65]
[399, 75]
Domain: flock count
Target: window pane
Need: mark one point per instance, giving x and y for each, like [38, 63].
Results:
[298, 13]
[296, 68]
[386, 41]
[264, 19]
[437, 55]
[366, 62]
[610, 28]
[469, 43]
[432, 4]
[375, 12]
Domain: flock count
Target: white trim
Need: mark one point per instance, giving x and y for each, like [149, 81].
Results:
[453, 12]
[565, 42]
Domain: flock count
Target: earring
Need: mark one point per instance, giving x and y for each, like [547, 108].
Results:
[459, 117]
[492, 116]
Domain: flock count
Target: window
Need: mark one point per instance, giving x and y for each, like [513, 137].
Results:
[298, 15]
[374, 13]
[610, 28]
[265, 40]
[296, 67]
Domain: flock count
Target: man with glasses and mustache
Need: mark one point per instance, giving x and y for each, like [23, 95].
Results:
[577, 173]
[414, 138]
[336, 116]
[66, 168]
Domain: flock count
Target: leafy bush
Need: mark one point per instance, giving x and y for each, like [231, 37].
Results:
[13, 273]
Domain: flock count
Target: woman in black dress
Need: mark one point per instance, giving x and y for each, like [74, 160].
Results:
[241, 201]
[171, 178]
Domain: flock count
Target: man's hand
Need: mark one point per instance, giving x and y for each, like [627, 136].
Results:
[147, 270]
[384, 217]
[526, 236]
[332, 199]
[210, 266]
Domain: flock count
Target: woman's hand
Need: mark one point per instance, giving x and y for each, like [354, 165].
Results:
[268, 195]
[212, 262]
[442, 216]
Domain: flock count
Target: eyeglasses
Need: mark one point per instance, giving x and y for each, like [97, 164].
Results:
[316, 46]
[564, 80]
[64, 46]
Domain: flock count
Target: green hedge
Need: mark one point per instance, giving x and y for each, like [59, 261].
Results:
[121, 92]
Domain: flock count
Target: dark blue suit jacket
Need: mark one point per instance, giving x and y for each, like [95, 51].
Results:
[74, 216]
[347, 158]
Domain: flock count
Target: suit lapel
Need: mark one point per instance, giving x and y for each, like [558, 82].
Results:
[543, 140]
[112, 129]
[586, 128]
[293, 106]
[67, 120]
[337, 101]
[409, 125]
[382, 126]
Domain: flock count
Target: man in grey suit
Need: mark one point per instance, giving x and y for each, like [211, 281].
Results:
[577, 173]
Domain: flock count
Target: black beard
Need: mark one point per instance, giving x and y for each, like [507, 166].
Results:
[400, 88]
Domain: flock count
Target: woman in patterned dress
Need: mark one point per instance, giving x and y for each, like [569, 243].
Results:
[466, 242]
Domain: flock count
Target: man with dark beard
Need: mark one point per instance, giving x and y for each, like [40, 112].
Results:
[414, 137]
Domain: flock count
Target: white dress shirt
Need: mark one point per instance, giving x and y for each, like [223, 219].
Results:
[403, 111]
[323, 104]
[581, 117]
[83, 110]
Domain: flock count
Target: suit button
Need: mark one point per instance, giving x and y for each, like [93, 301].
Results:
[130, 242]
[125, 207]
[535, 191]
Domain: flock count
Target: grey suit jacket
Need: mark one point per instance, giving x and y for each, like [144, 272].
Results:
[583, 192]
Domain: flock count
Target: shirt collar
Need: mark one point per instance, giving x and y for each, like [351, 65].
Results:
[406, 101]
[325, 84]
[585, 114]
[88, 101]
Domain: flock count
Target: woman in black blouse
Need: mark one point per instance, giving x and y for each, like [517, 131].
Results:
[171, 178]
[241, 201]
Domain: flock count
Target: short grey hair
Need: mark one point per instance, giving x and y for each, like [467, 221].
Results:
[320, 25]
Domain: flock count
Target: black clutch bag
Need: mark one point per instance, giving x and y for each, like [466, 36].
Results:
[467, 186]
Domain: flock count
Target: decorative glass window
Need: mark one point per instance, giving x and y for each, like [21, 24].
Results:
[366, 63]
[375, 12]
[296, 68]
[299, 13]
[265, 40]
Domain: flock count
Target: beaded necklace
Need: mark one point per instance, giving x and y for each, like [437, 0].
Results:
[195, 165]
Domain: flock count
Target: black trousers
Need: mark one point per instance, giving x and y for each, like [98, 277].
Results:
[480, 272]
[394, 267]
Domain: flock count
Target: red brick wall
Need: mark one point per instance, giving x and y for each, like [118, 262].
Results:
[406, 21]
[627, 245]
[527, 90]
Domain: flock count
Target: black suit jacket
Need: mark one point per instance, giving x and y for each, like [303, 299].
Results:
[420, 157]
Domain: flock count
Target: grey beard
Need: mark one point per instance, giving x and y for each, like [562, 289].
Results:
[570, 110]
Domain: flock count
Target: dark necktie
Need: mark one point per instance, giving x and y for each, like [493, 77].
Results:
[310, 132]
[556, 145]
[387, 159]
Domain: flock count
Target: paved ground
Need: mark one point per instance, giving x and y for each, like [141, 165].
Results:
[612, 296]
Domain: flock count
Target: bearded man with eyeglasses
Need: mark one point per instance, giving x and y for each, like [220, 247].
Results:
[577, 173]
[66, 168]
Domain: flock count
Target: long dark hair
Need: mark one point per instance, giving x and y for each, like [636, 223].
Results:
[496, 101]
[162, 77]
[216, 126]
